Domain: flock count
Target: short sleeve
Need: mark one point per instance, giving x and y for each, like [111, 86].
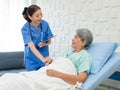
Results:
[46, 26]
[26, 35]
[49, 33]
[84, 64]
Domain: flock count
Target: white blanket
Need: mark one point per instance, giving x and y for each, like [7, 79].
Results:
[38, 80]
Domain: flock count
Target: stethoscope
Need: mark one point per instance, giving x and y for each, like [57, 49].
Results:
[41, 32]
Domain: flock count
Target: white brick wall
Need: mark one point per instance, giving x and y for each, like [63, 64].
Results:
[102, 17]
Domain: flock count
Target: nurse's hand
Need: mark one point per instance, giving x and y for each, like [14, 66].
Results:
[41, 44]
[48, 60]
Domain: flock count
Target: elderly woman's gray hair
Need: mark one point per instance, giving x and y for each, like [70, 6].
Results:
[86, 35]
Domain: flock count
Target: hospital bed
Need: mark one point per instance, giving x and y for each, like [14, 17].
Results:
[105, 62]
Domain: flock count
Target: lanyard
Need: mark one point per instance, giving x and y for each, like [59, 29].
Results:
[41, 32]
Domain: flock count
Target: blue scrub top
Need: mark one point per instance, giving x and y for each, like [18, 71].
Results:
[30, 33]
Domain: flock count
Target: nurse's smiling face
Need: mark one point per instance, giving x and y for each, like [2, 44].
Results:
[36, 17]
[78, 43]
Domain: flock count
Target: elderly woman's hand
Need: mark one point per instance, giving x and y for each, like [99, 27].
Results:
[52, 73]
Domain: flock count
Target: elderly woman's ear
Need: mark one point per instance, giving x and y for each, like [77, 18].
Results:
[84, 43]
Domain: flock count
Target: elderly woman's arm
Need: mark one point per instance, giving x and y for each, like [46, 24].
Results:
[72, 79]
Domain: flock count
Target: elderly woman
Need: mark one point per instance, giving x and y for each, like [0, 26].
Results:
[64, 72]
[79, 57]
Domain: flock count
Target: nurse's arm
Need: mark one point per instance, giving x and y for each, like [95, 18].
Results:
[35, 51]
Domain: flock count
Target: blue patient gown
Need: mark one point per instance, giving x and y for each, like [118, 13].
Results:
[30, 33]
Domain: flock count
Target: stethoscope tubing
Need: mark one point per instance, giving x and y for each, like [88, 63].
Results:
[41, 32]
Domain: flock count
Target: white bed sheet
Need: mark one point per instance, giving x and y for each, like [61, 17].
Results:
[38, 80]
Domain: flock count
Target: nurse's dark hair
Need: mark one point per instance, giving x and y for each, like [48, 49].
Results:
[30, 11]
[85, 35]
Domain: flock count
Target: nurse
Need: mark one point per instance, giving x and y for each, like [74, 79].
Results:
[36, 36]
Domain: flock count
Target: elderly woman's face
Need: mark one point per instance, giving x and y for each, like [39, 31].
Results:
[77, 43]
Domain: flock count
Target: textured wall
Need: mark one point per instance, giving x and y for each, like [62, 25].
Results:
[102, 17]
